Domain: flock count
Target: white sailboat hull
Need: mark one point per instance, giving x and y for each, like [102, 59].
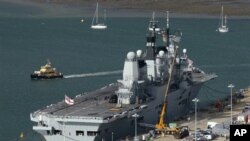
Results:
[95, 24]
[99, 26]
[223, 29]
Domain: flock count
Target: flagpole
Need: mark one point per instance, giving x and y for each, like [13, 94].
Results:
[64, 119]
[70, 102]
[63, 130]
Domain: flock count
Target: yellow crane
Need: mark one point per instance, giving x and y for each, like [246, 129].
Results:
[161, 124]
[161, 127]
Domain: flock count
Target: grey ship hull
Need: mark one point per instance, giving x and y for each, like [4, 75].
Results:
[179, 100]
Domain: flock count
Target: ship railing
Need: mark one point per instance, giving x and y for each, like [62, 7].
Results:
[75, 117]
[109, 85]
[34, 114]
[64, 117]
[126, 59]
[128, 113]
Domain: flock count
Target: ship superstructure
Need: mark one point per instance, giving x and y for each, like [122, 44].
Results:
[107, 112]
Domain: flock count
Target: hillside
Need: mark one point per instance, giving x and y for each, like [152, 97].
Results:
[119, 8]
[211, 7]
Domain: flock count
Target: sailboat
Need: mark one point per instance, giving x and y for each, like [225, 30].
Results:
[223, 24]
[95, 24]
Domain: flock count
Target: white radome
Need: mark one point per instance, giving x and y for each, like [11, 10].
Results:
[171, 46]
[184, 51]
[139, 53]
[131, 56]
[161, 53]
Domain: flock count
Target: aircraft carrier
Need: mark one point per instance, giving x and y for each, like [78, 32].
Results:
[107, 113]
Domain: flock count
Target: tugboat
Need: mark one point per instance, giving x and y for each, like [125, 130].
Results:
[46, 72]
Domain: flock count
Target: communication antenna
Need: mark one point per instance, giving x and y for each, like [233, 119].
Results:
[167, 19]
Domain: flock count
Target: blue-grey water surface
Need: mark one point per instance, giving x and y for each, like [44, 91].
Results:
[73, 48]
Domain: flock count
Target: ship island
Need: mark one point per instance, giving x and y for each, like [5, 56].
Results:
[107, 113]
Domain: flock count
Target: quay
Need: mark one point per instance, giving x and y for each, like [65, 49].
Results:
[212, 114]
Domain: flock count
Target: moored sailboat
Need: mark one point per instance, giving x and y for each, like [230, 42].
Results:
[95, 23]
[223, 24]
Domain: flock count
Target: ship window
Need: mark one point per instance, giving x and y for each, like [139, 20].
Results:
[113, 99]
[93, 133]
[57, 132]
[106, 130]
[79, 133]
[160, 105]
[132, 122]
[141, 118]
[137, 107]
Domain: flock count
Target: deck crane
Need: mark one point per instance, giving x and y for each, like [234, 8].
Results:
[161, 127]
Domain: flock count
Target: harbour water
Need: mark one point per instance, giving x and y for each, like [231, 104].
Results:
[75, 49]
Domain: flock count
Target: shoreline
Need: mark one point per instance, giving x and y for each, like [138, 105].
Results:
[42, 9]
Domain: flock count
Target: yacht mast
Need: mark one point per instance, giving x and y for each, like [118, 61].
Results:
[97, 12]
[225, 20]
[222, 16]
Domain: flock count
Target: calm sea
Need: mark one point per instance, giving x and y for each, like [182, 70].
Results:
[73, 48]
